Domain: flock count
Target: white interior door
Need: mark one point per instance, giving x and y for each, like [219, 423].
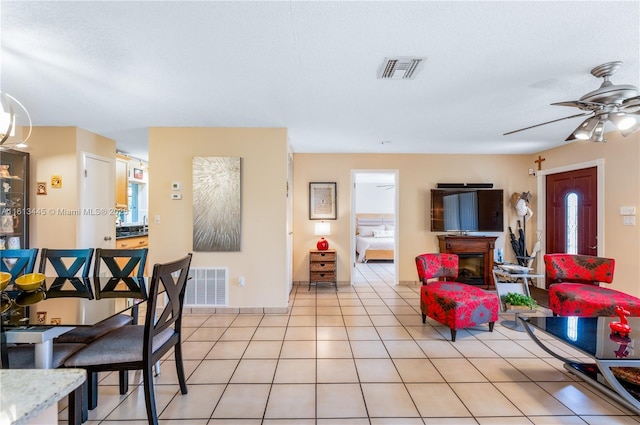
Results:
[97, 201]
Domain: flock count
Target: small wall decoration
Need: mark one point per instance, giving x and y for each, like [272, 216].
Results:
[6, 224]
[56, 182]
[322, 201]
[138, 174]
[41, 188]
[216, 204]
[56, 321]
[41, 317]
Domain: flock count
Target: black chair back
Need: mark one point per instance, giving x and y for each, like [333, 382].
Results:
[109, 257]
[18, 261]
[81, 259]
[120, 281]
[172, 278]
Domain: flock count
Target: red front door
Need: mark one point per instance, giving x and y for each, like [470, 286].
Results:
[572, 206]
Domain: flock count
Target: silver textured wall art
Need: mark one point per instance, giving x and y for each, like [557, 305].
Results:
[216, 203]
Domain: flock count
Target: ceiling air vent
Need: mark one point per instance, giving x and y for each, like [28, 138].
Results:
[400, 68]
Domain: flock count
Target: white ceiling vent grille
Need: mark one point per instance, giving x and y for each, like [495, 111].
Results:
[400, 68]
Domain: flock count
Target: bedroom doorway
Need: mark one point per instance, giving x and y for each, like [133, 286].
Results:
[374, 229]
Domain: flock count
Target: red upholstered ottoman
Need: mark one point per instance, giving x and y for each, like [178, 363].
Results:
[454, 304]
[458, 305]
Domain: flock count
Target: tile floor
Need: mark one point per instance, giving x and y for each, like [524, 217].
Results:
[357, 356]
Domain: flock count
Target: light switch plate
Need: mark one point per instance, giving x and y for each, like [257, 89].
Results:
[176, 186]
[176, 196]
[627, 210]
[629, 220]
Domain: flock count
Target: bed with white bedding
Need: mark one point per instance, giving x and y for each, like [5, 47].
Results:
[375, 237]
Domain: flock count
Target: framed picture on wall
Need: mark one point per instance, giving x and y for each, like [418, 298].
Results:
[322, 201]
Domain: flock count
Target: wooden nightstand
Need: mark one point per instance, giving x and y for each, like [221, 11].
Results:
[322, 267]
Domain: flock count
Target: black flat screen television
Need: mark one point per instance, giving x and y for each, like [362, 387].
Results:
[467, 210]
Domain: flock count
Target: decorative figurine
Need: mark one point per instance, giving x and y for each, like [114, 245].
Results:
[622, 327]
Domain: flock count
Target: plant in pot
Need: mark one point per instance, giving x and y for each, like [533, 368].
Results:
[514, 300]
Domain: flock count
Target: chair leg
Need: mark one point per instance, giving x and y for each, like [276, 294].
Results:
[124, 381]
[92, 390]
[453, 335]
[177, 353]
[491, 326]
[424, 318]
[149, 396]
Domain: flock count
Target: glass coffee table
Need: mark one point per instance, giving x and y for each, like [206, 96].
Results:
[615, 369]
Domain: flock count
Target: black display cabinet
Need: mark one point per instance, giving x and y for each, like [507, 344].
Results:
[14, 199]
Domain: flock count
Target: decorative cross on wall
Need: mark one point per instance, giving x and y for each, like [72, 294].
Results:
[539, 162]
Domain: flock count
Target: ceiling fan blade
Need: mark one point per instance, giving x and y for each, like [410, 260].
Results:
[631, 105]
[586, 106]
[548, 122]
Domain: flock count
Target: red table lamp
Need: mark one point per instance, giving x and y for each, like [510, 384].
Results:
[322, 229]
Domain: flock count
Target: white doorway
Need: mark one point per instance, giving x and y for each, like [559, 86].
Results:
[374, 226]
[97, 201]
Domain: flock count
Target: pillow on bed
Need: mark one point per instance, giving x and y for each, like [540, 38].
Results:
[383, 233]
[368, 230]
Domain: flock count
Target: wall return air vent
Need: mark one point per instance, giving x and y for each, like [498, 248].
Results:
[400, 68]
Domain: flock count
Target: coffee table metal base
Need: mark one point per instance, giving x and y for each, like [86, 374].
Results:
[589, 372]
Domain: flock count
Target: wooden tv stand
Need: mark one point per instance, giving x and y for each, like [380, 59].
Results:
[479, 247]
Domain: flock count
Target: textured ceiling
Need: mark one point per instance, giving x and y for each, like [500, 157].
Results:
[116, 68]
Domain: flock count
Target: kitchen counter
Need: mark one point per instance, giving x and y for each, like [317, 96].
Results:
[27, 394]
[132, 235]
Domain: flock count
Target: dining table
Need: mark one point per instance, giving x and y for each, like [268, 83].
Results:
[60, 304]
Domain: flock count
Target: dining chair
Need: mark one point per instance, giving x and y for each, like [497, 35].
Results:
[116, 275]
[18, 261]
[139, 347]
[66, 262]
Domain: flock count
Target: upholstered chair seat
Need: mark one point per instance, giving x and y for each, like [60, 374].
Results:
[23, 356]
[87, 334]
[122, 345]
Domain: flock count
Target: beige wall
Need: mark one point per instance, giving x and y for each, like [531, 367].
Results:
[417, 175]
[58, 151]
[262, 259]
[621, 188]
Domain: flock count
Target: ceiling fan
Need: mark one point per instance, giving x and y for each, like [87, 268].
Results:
[619, 104]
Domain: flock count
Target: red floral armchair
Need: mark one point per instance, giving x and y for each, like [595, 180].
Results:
[454, 304]
[576, 290]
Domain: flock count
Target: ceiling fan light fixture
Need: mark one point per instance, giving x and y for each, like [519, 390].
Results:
[623, 121]
[629, 131]
[586, 129]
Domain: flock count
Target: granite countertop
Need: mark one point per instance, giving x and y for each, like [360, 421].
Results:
[25, 393]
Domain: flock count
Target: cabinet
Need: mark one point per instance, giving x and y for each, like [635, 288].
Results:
[475, 257]
[133, 243]
[322, 267]
[122, 182]
[14, 199]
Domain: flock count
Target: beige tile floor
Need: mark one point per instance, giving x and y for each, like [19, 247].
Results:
[360, 355]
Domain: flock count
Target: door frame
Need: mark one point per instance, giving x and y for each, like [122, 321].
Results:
[542, 203]
[396, 207]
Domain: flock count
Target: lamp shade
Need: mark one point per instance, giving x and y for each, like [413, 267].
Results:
[322, 229]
